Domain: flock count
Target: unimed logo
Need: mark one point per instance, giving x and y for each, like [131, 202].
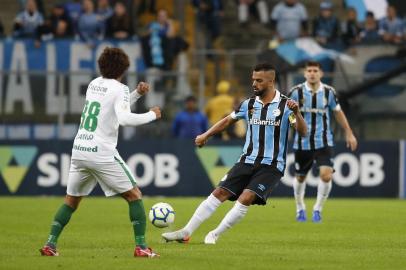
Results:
[218, 160]
[14, 164]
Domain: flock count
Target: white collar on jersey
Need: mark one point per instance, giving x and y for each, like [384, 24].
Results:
[308, 88]
[276, 98]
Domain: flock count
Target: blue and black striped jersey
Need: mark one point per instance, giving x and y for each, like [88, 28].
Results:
[267, 130]
[316, 110]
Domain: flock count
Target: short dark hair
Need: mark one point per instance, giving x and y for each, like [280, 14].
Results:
[370, 14]
[352, 9]
[312, 64]
[190, 98]
[264, 67]
[113, 62]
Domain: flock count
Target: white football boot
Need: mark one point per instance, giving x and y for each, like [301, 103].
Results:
[211, 238]
[179, 236]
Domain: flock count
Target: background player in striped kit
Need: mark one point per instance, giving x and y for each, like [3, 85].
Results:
[316, 101]
[262, 163]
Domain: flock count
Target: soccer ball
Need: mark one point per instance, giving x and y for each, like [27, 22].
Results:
[161, 215]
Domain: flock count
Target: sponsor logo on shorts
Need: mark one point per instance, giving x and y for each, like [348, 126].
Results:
[297, 166]
[261, 187]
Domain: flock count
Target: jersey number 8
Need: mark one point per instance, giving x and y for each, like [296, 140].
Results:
[88, 120]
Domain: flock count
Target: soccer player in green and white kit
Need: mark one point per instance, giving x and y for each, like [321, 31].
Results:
[94, 155]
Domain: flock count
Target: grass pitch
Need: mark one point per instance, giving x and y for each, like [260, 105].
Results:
[355, 234]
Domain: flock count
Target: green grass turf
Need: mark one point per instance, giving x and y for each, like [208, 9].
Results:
[355, 234]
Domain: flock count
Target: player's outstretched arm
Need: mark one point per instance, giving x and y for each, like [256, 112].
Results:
[349, 135]
[218, 127]
[124, 115]
[300, 124]
[135, 119]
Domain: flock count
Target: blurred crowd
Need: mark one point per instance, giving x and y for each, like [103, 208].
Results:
[289, 20]
[93, 20]
[87, 19]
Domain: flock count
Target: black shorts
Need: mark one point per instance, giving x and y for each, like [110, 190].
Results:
[261, 179]
[304, 159]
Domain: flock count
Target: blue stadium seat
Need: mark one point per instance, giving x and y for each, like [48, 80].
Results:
[378, 65]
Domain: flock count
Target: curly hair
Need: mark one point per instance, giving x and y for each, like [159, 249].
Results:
[113, 62]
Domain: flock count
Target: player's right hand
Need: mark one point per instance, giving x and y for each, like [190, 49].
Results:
[293, 106]
[157, 111]
[201, 140]
[351, 141]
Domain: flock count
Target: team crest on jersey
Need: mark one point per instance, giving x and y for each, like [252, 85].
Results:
[325, 102]
[302, 101]
[276, 112]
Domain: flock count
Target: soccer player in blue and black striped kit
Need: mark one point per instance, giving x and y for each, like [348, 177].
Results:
[316, 101]
[262, 163]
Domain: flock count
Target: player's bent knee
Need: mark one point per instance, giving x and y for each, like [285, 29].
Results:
[132, 194]
[326, 176]
[221, 194]
[247, 197]
[72, 201]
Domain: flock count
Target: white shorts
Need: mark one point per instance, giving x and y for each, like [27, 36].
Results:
[114, 178]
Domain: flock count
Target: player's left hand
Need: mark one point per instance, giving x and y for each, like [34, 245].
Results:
[142, 88]
[351, 141]
[293, 106]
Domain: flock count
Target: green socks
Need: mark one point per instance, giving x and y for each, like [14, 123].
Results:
[62, 218]
[138, 219]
